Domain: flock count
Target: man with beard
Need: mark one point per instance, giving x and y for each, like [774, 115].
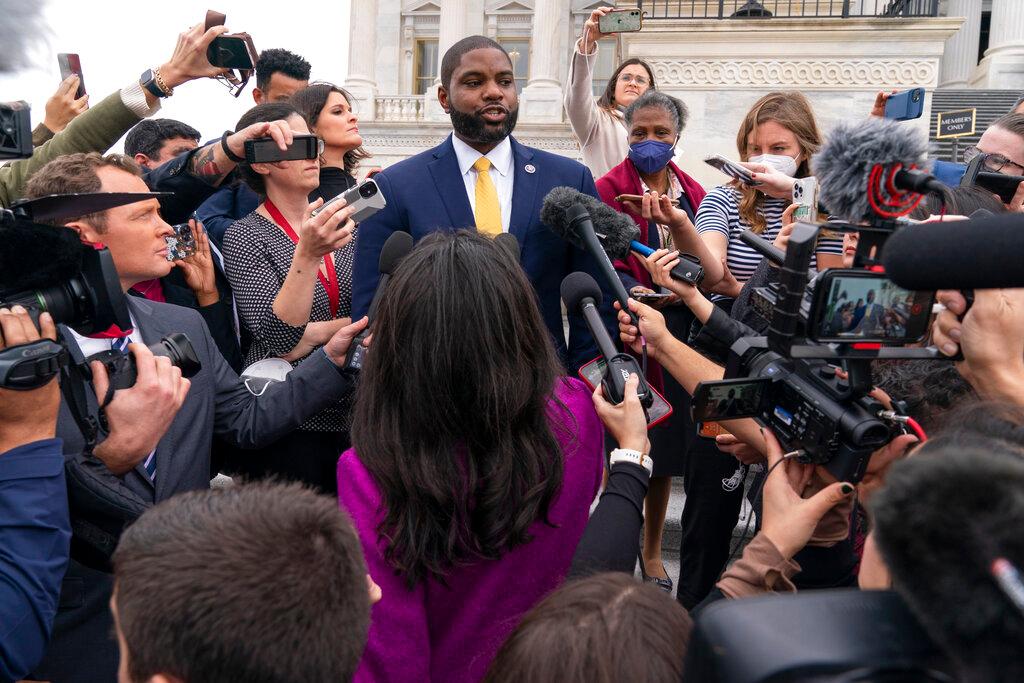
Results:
[481, 178]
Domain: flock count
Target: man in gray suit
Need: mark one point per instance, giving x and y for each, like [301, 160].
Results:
[159, 431]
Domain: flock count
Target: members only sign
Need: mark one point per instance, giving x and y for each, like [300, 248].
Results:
[955, 124]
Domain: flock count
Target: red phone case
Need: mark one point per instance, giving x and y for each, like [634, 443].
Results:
[595, 374]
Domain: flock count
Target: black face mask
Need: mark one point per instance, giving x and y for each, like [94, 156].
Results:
[473, 127]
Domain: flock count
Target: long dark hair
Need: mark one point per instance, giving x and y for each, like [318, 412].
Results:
[454, 409]
[607, 99]
[311, 100]
[590, 630]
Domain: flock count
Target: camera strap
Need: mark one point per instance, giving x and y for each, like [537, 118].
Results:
[72, 387]
[330, 281]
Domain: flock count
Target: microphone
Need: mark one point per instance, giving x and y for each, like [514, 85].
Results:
[580, 292]
[510, 243]
[394, 250]
[871, 169]
[568, 216]
[763, 247]
[619, 235]
[981, 253]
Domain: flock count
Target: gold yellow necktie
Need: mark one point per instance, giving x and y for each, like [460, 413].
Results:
[488, 211]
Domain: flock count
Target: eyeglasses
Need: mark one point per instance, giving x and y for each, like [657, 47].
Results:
[630, 78]
[993, 162]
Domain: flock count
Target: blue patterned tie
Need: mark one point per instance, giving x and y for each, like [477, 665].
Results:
[121, 344]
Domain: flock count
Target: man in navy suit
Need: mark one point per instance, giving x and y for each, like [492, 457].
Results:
[480, 177]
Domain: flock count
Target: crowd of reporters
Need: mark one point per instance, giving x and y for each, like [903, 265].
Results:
[456, 539]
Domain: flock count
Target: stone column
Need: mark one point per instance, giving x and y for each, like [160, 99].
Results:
[362, 57]
[452, 28]
[960, 56]
[542, 97]
[1003, 65]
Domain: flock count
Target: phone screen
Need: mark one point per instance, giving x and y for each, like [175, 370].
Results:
[69, 63]
[265, 150]
[861, 306]
[729, 399]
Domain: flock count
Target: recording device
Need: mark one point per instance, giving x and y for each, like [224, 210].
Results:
[69, 63]
[980, 253]
[509, 242]
[15, 130]
[731, 169]
[182, 244]
[365, 197]
[863, 306]
[651, 297]
[805, 196]
[1001, 184]
[394, 250]
[265, 150]
[730, 399]
[621, 21]
[231, 51]
[123, 371]
[580, 292]
[906, 105]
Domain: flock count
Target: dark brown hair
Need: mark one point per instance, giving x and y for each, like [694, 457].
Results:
[607, 99]
[454, 410]
[76, 173]
[310, 102]
[602, 629]
[1013, 123]
[259, 582]
[792, 111]
[268, 111]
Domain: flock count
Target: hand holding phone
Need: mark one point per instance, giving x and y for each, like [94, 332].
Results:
[621, 21]
[69, 64]
[365, 199]
[731, 169]
[906, 105]
[267, 150]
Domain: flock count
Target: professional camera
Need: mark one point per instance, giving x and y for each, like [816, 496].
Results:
[15, 130]
[809, 380]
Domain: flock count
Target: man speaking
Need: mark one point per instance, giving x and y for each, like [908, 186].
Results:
[481, 177]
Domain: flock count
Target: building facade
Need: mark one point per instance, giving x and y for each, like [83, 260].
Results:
[718, 56]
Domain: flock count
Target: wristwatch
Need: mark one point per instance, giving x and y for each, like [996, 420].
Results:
[628, 455]
[150, 80]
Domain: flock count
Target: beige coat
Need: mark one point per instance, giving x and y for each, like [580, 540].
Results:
[602, 134]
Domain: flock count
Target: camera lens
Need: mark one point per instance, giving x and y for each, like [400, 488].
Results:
[916, 96]
[178, 348]
[367, 190]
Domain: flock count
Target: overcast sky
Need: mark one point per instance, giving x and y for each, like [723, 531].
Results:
[119, 39]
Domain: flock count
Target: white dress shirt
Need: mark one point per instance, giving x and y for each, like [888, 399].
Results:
[501, 174]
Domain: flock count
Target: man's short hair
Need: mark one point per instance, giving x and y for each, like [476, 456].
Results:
[75, 173]
[1011, 122]
[277, 60]
[453, 57]
[941, 519]
[148, 136]
[929, 389]
[259, 582]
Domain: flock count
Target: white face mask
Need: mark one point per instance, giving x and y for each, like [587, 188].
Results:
[780, 162]
[263, 373]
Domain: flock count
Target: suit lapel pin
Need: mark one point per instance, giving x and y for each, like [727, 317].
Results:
[530, 168]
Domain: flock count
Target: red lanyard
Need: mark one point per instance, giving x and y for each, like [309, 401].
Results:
[330, 282]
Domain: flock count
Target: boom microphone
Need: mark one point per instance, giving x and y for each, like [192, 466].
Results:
[394, 250]
[982, 253]
[872, 170]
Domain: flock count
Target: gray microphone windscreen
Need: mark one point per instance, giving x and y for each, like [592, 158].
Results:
[843, 165]
[554, 213]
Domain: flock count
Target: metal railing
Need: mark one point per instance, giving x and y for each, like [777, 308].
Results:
[787, 9]
[400, 108]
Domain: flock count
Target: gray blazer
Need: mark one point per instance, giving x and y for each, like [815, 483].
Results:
[81, 648]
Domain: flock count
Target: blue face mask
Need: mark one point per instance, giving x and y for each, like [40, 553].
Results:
[650, 156]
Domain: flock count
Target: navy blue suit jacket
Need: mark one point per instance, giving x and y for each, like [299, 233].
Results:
[426, 193]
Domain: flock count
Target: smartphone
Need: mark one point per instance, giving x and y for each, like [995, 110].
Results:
[182, 244]
[730, 399]
[231, 52]
[650, 297]
[710, 430]
[805, 196]
[861, 306]
[69, 63]
[366, 197]
[906, 105]
[593, 374]
[621, 21]
[731, 169]
[265, 150]
[630, 198]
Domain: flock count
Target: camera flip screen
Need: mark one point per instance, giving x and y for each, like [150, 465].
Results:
[729, 399]
[861, 306]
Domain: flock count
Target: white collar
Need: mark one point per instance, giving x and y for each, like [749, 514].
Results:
[500, 157]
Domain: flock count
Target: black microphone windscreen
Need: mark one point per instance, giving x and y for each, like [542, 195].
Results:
[554, 213]
[844, 163]
[983, 253]
[33, 256]
[394, 250]
[509, 242]
[578, 286]
[615, 230]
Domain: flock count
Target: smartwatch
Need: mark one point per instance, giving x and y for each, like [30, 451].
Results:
[148, 80]
[636, 457]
